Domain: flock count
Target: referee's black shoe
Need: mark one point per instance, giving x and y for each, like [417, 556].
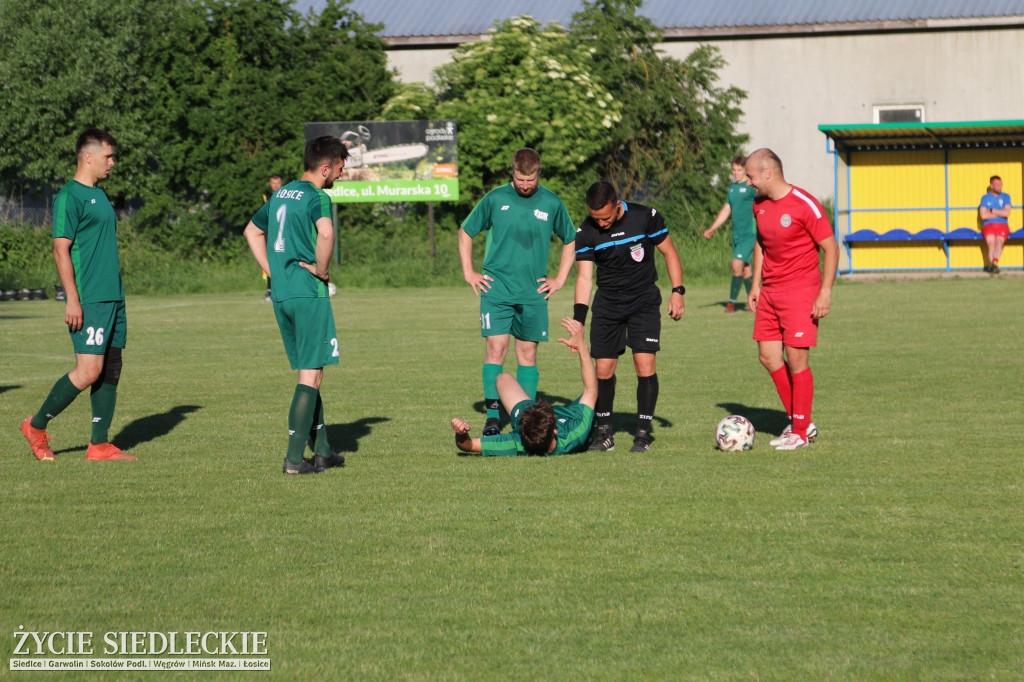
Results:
[604, 440]
[321, 463]
[492, 427]
[642, 441]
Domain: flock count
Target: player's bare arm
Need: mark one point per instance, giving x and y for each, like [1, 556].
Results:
[257, 239]
[462, 439]
[324, 250]
[584, 282]
[676, 302]
[755, 267]
[549, 285]
[588, 373]
[478, 281]
[830, 264]
[720, 219]
[73, 315]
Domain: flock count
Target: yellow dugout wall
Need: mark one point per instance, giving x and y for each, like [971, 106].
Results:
[907, 194]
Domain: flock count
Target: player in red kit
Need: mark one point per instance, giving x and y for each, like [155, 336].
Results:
[789, 294]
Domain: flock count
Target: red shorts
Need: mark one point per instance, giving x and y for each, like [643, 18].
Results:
[786, 316]
[997, 229]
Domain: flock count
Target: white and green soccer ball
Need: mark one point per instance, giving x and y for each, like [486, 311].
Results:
[734, 434]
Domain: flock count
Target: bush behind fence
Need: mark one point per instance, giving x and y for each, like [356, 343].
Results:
[398, 257]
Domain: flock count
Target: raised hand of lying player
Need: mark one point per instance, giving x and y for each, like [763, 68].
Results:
[575, 329]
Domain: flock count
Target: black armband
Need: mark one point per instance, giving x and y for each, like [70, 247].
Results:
[579, 312]
[681, 290]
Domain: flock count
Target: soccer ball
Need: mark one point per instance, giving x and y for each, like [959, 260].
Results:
[734, 434]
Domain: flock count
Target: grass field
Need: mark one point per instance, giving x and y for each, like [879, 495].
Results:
[890, 549]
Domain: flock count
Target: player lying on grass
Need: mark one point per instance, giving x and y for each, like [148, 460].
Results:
[539, 428]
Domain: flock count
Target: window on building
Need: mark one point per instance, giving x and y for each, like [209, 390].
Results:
[899, 113]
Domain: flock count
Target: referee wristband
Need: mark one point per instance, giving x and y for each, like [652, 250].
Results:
[579, 312]
[681, 290]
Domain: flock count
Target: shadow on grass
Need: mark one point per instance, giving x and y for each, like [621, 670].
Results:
[345, 437]
[741, 305]
[764, 420]
[152, 427]
[4, 389]
[144, 430]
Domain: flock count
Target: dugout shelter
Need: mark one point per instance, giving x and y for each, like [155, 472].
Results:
[907, 194]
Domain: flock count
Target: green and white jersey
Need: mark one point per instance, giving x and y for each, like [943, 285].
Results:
[519, 233]
[84, 215]
[289, 219]
[572, 422]
[741, 203]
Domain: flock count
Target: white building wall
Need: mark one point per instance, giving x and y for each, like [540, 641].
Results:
[796, 83]
[417, 65]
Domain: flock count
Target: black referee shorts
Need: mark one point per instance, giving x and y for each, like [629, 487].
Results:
[617, 324]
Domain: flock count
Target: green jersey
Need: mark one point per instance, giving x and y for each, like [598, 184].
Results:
[289, 219]
[741, 202]
[572, 422]
[84, 215]
[519, 233]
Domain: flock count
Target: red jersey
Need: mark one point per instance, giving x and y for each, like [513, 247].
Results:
[789, 231]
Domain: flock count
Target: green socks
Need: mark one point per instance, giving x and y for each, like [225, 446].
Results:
[734, 287]
[528, 377]
[300, 421]
[491, 401]
[318, 432]
[61, 395]
[104, 399]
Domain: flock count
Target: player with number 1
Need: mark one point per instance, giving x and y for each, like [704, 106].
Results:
[292, 238]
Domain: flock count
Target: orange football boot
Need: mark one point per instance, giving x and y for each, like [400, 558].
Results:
[105, 451]
[38, 440]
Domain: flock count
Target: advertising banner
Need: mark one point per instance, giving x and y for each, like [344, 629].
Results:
[394, 160]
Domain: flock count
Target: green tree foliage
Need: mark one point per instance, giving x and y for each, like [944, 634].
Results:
[206, 98]
[241, 80]
[527, 86]
[64, 67]
[411, 102]
[678, 125]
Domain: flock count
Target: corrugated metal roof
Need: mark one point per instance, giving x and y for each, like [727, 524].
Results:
[961, 134]
[425, 18]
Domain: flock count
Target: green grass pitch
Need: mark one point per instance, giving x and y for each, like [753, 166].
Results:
[890, 549]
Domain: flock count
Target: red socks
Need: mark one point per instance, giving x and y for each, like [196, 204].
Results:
[803, 397]
[784, 387]
[797, 395]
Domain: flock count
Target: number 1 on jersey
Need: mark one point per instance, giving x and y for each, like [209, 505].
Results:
[282, 213]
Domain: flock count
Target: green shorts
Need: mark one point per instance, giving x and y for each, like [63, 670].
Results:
[743, 249]
[528, 322]
[103, 325]
[307, 329]
[517, 412]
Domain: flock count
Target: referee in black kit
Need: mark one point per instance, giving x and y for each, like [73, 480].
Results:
[620, 239]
